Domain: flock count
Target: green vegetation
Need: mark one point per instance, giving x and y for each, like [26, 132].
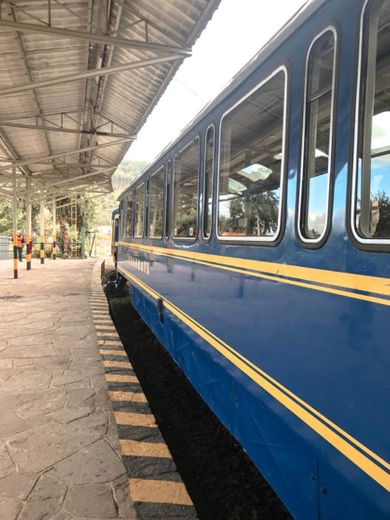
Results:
[90, 213]
[124, 175]
[6, 216]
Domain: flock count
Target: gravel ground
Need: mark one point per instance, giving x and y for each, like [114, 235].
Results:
[222, 481]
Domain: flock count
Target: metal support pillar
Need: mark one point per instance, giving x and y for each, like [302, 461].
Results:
[54, 211]
[14, 222]
[28, 224]
[42, 232]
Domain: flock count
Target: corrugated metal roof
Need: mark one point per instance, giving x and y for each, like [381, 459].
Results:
[43, 40]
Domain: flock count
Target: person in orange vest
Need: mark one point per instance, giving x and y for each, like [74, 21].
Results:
[19, 244]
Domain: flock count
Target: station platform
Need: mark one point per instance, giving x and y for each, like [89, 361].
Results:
[66, 388]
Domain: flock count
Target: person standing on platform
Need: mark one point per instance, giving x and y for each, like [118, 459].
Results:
[19, 244]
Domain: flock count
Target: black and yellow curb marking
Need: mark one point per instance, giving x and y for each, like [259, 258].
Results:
[117, 364]
[104, 328]
[109, 343]
[100, 322]
[106, 352]
[127, 397]
[376, 289]
[160, 491]
[364, 458]
[126, 392]
[131, 448]
[146, 420]
[107, 335]
[119, 378]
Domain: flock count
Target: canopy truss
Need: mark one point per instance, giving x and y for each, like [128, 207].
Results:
[78, 78]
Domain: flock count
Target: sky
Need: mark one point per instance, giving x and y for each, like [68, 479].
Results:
[238, 29]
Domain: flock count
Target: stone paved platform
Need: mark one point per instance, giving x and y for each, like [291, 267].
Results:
[59, 450]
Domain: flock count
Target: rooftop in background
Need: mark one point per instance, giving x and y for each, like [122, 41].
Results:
[77, 84]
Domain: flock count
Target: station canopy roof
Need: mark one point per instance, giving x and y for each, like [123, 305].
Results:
[78, 78]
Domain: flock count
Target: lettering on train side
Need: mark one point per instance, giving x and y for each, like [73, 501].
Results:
[141, 265]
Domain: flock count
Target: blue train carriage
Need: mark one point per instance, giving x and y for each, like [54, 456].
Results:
[257, 248]
[115, 222]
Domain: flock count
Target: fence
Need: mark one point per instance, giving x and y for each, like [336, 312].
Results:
[77, 248]
[5, 248]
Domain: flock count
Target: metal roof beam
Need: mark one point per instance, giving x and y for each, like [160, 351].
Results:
[22, 49]
[41, 160]
[43, 128]
[72, 179]
[87, 75]
[96, 38]
[9, 150]
[147, 21]
[49, 114]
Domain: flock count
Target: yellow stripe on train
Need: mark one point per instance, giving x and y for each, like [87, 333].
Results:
[336, 436]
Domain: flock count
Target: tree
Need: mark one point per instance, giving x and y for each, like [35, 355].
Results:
[265, 211]
[236, 215]
[6, 213]
[383, 226]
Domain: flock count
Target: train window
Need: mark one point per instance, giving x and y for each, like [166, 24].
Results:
[371, 204]
[129, 215]
[317, 140]
[208, 181]
[168, 199]
[252, 163]
[139, 211]
[156, 204]
[186, 180]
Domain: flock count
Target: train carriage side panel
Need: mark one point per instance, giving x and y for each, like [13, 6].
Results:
[287, 341]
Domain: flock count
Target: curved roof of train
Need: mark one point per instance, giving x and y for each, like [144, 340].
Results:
[285, 32]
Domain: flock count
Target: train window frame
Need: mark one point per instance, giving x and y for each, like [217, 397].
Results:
[360, 129]
[203, 201]
[128, 195]
[168, 200]
[178, 153]
[140, 186]
[156, 172]
[319, 241]
[263, 240]
[122, 214]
